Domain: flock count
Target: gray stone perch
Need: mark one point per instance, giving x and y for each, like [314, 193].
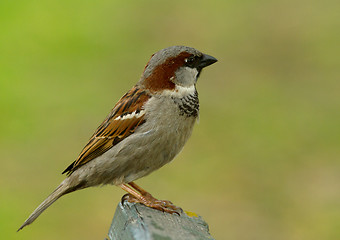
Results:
[134, 221]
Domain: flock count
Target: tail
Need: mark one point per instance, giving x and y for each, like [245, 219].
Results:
[54, 196]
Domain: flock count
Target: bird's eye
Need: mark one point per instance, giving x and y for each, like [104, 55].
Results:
[189, 60]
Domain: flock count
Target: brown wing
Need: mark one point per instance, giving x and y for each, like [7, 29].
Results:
[123, 120]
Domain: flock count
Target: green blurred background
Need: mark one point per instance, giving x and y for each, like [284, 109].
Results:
[263, 162]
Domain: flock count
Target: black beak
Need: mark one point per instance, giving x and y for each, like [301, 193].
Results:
[206, 60]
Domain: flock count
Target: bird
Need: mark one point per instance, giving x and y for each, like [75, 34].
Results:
[145, 130]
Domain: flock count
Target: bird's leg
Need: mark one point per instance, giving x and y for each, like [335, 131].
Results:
[148, 195]
[138, 194]
[165, 203]
[138, 188]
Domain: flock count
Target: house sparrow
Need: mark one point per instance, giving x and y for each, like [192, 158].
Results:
[145, 130]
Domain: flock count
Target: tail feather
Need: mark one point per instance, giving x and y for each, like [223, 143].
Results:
[54, 196]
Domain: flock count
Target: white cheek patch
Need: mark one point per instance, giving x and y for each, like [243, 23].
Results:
[180, 91]
[186, 76]
[131, 115]
[185, 90]
[192, 72]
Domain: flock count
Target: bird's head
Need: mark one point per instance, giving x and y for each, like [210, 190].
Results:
[174, 66]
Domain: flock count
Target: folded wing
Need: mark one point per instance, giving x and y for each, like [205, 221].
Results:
[126, 116]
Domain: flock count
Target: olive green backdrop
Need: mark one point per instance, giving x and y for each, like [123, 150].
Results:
[263, 162]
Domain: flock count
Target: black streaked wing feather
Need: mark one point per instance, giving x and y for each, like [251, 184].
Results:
[112, 131]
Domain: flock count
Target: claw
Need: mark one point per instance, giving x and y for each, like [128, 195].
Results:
[139, 195]
[149, 201]
[124, 198]
[177, 213]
